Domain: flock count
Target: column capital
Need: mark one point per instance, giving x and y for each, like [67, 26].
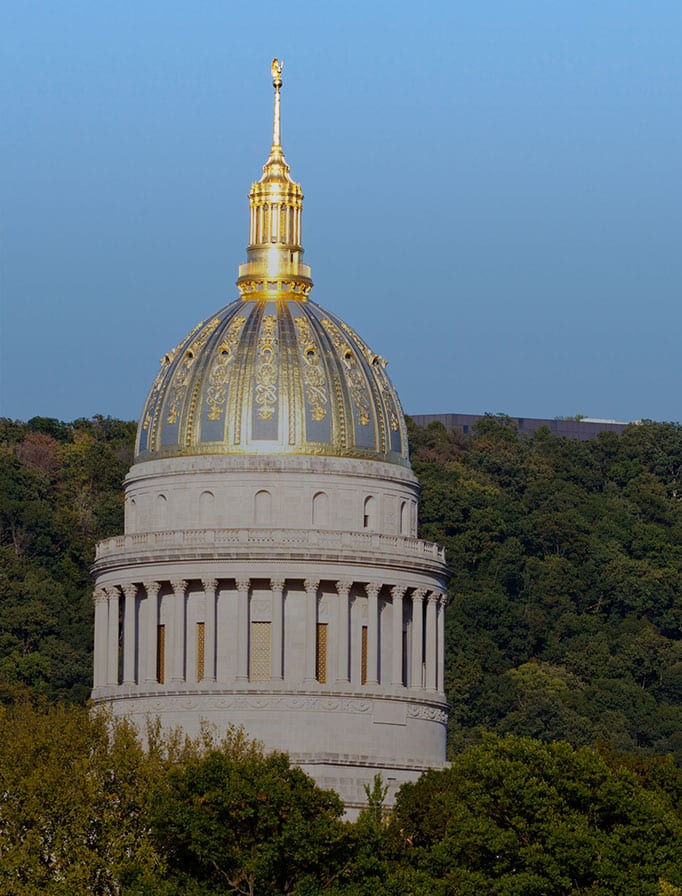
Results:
[372, 589]
[343, 586]
[152, 588]
[99, 596]
[243, 584]
[179, 586]
[434, 597]
[209, 584]
[113, 591]
[130, 589]
[311, 585]
[277, 584]
[398, 591]
[419, 594]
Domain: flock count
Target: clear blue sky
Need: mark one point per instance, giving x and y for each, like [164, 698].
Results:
[493, 192]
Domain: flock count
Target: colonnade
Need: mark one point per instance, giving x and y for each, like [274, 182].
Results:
[404, 650]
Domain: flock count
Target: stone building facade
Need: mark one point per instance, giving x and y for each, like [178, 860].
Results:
[270, 573]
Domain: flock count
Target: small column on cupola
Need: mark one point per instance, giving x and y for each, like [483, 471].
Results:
[274, 269]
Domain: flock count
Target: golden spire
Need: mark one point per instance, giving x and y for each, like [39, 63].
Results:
[274, 269]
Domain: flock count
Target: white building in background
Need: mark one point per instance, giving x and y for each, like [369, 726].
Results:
[270, 574]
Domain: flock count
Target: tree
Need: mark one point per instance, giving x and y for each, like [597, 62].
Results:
[74, 787]
[517, 816]
[237, 821]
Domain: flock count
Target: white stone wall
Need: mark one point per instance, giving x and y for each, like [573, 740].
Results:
[281, 492]
[318, 626]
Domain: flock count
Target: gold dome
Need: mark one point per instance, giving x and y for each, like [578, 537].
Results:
[273, 372]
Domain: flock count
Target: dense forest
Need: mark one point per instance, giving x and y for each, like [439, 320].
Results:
[564, 675]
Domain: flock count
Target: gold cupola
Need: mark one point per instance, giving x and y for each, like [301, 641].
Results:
[274, 268]
[273, 372]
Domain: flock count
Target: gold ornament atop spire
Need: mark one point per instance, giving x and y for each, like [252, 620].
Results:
[274, 269]
[276, 69]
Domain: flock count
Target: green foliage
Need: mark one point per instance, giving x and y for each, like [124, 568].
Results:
[73, 792]
[86, 809]
[517, 817]
[60, 491]
[566, 560]
[248, 824]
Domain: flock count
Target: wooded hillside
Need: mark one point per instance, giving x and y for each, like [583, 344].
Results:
[566, 597]
[566, 559]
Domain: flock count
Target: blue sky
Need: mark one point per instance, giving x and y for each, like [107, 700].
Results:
[493, 193]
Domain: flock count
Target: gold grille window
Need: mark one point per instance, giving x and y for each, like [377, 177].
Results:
[363, 656]
[261, 652]
[161, 653]
[321, 653]
[201, 650]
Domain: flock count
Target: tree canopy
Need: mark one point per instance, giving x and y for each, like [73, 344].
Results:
[85, 808]
[566, 594]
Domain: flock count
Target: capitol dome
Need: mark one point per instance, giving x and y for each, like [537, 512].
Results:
[273, 372]
[271, 375]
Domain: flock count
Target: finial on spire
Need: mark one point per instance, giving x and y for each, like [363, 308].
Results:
[276, 69]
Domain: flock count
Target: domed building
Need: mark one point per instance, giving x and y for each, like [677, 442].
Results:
[270, 573]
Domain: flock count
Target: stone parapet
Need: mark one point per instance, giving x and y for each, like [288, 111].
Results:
[235, 544]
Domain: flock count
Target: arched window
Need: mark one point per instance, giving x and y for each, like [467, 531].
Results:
[263, 508]
[404, 518]
[321, 510]
[160, 510]
[369, 519]
[132, 515]
[206, 502]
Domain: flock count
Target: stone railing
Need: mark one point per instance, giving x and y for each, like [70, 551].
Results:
[291, 539]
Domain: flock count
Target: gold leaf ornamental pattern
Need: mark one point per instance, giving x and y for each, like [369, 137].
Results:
[378, 366]
[181, 380]
[166, 362]
[266, 368]
[353, 375]
[313, 374]
[216, 393]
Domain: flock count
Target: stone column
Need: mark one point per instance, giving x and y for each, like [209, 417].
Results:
[343, 633]
[210, 587]
[243, 586]
[277, 641]
[112, 636]
[431, 640]
[129, 640]
[151, 633]
[397, 592]
[179, 650]
[101, 624]
[311, 587]
[372, 633]
[416, 672]
[440, 684]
